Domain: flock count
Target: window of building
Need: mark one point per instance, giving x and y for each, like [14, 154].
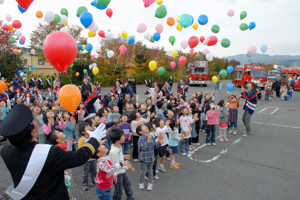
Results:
[40, 62]
[25, 61]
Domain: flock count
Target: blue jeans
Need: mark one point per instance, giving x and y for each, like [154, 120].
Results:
[210, 137]
[203, 127]
[217, 86]
[184, 145]
[233, 124]
[125, 148]
[104, 194]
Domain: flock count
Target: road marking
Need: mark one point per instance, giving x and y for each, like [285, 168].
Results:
[262, 110]
[274, 111]
[280, 125]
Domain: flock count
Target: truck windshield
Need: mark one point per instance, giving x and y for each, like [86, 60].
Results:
[199, 70]
[273, 73]
[259, 74]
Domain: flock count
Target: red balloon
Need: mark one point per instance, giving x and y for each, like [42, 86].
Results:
[24, 3]
[16, 24]
[101, 33]
[202, 38]
[193, 42]
[213, 40]
[60, 50]
[5, 27]
[109, 12]
[182, 60]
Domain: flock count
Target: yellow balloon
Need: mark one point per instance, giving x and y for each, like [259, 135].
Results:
[124, 34]
[159, 2]
[214, 79]
[95, 70]
[91, 34]
[178, 18]
[175, 54]
[152, 65]
[83, 47]
[178, 27]
[66, 24]
[290, 79]
[195, 26]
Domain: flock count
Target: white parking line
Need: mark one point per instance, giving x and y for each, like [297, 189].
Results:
[262, 110]
[274, 111]
[280, 125]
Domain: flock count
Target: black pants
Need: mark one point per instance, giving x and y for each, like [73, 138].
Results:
[123, 182]
[135, 151]
[197, 126]
[277, 90]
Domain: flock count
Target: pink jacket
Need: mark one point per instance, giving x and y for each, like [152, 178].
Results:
[212, 117]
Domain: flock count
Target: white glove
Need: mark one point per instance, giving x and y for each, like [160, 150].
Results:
[99, 133]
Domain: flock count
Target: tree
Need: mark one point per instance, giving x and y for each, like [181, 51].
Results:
[5, 45]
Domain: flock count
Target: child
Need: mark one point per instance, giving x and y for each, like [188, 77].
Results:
[127, 132]
[267, 93]
[103, 114]
[143, 110]
[80, 113]
[69, 131]
[146, 145]
[174, 138]
[38, 118]
[115, 115]
[233, 112]
[117, 137]
[223, 121]
[185, 124]
[212, 120]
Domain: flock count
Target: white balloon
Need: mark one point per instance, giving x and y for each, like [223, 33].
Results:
[209, 56]
[95, 28]
[63, 19]
[64, 29]
[109, 35]
[147, 36]
[1, 1]
[8, 17]
[22, 74]
[18, 34]
[275, 66]
[110, 54]
[49, 16]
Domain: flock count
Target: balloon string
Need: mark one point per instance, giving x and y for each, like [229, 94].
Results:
[117, 65]
[69, 78]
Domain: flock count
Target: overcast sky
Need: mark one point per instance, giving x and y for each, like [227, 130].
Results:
[277, 22]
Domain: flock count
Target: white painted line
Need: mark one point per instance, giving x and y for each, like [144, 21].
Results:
[274, 111]
[262, 110]
[280, 125]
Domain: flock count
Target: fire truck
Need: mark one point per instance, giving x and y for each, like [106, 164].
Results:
[197, 73]
[250, 73]
[293, 73]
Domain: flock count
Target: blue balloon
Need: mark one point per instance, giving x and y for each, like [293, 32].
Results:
[292, 80]
[186, 20]
[252, 25]
[22, 10]
[203, 19]
[94, 65]
[19, 72]
[264, 48]
[94, 3]
[156, 36]
[230, 87]
[131, 40]
[21, 42]
[88, 47]
[86, 19]
[278, 70]
[106, 50]
[229, 69]
[33, 67]
[80, 47]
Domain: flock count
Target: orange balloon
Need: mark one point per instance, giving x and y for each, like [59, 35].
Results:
[11, 28]
[3, 86]
[69, 97]
[39, 14]
[77, 73]
[170, 21]
[16, 51]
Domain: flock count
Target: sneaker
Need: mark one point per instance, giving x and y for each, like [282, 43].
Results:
[85, 187]
[230, 131]
[156, 177]
[168, 158]
[161, 168]
[176, 163]
[174, 166]
[184, 154]
[214, 144]
[156, 171]
[135, 160]
[93, 183]
[141, 186]
[245, 135]
[208, 144]
[150, 187]
[221, 139]
[226, 139]
[234, 132]
[191, 148]
[146, 178]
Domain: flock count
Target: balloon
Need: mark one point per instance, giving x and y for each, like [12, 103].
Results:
[205, 51]
[110, 54]
[244, 26]
[8, 18]
[80, 47]
[32, 51]
[178, 27]
[109, 35]
[195, 26]
[109, 12]
[152, 65]
[3, 86]
[147, 36]
[175, 54]
[124, 34]
[203, 19]
[64, 12]
[93, 57]
[252, 49]
[148, 3]
[77, 74]
[21, 74]
[278, 69]
[159, 2]
[186, 20]
[223, 73]
[80, 10]
[230, 87]
[91, 34]
[16, 51]
[142, 28]
[156, 36]
[95, 70]
[292, 80]
[71, 66]
[85, 71]
[88, 47]
[33, 68]
[22, 10]
[24, 3]
[94, 29]
[94, 3]
[214, 79]
[161, 12]
[209, 57]
[131, 40]
[202, 38]
[159, 28]
[101, 3]
[172, 40]
[57, 19]
[152, 40]
[23, 39]
[101, 33]
[275, 66]
[106, 50]
[212, 40]
[11, 28]
[161, 71]
[193, 41]
[63, 19]
[252, 25]
[16, 24]
[225, 42]
[12, 40]
[49, 16]
[215, 28]
[69, 97]
[184, 44]
[5, 27]
[264, 48]
[86, 19]
[182, 60]
[21, 42]
[243, 15]
[170, 21]
[173, 64]
[60, 50]
[122, 49]
[229, 69]
[191, 51]
[230, 13]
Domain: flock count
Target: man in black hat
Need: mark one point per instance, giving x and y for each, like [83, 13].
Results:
[37, 170]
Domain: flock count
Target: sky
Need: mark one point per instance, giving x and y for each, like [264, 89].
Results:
[277, 22]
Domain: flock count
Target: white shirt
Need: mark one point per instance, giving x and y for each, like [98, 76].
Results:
[163, 131]
[116, 156]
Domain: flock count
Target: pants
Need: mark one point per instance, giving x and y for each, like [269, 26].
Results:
[233, 124]
[211, 134]
[267, 97]
[108, 143]
[277, 90]
[222, 133]
[217, 86]
[246, 120]
[104, 194]
[184, 145]
[135, 151]
[125, 148]
[90, 167]
[146, 168]
[123, 182]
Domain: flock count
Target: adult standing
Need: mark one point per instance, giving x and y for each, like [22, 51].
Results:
[17, 82]
[132, 83]
[86, 86]
[251, 101]
[277, 86]
[32, 81]
[119, 92]
[170, 81]
[48, 82]
[40, 83]
[56, 86]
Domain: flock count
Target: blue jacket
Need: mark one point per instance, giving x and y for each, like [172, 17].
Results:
[251, 101]
[180, 89]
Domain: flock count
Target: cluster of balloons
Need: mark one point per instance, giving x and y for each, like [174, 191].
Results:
[21, 73]
[53, 18]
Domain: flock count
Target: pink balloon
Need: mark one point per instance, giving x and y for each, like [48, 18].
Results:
[182, 60]
[148, 3]
[90, 66]
[230, 13]
[93, 56]
[32, 51]
[184, 44]
[122, 49]
[252, 49]
[8, 18]
[23, 39]
[191, 51]
[205, 51]
[159, 28]
[202, 38]
[142, 28]
[173, 64]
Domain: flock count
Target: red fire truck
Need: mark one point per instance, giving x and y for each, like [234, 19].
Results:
[197, 73]
[249, 72]
[293, 73]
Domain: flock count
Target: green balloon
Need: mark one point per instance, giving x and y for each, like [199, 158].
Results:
[64, 11]
[161, 71]
[12, 40]
[85, 71]
[244, 26]
[71, 66]
[102, 3]
[152, 40]
[215, 28]
[80, 10]
[172, 40]
[225, 42]
[223, 73]
[243, 15]
[24, 75]
[56, 19]
[161, 12]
